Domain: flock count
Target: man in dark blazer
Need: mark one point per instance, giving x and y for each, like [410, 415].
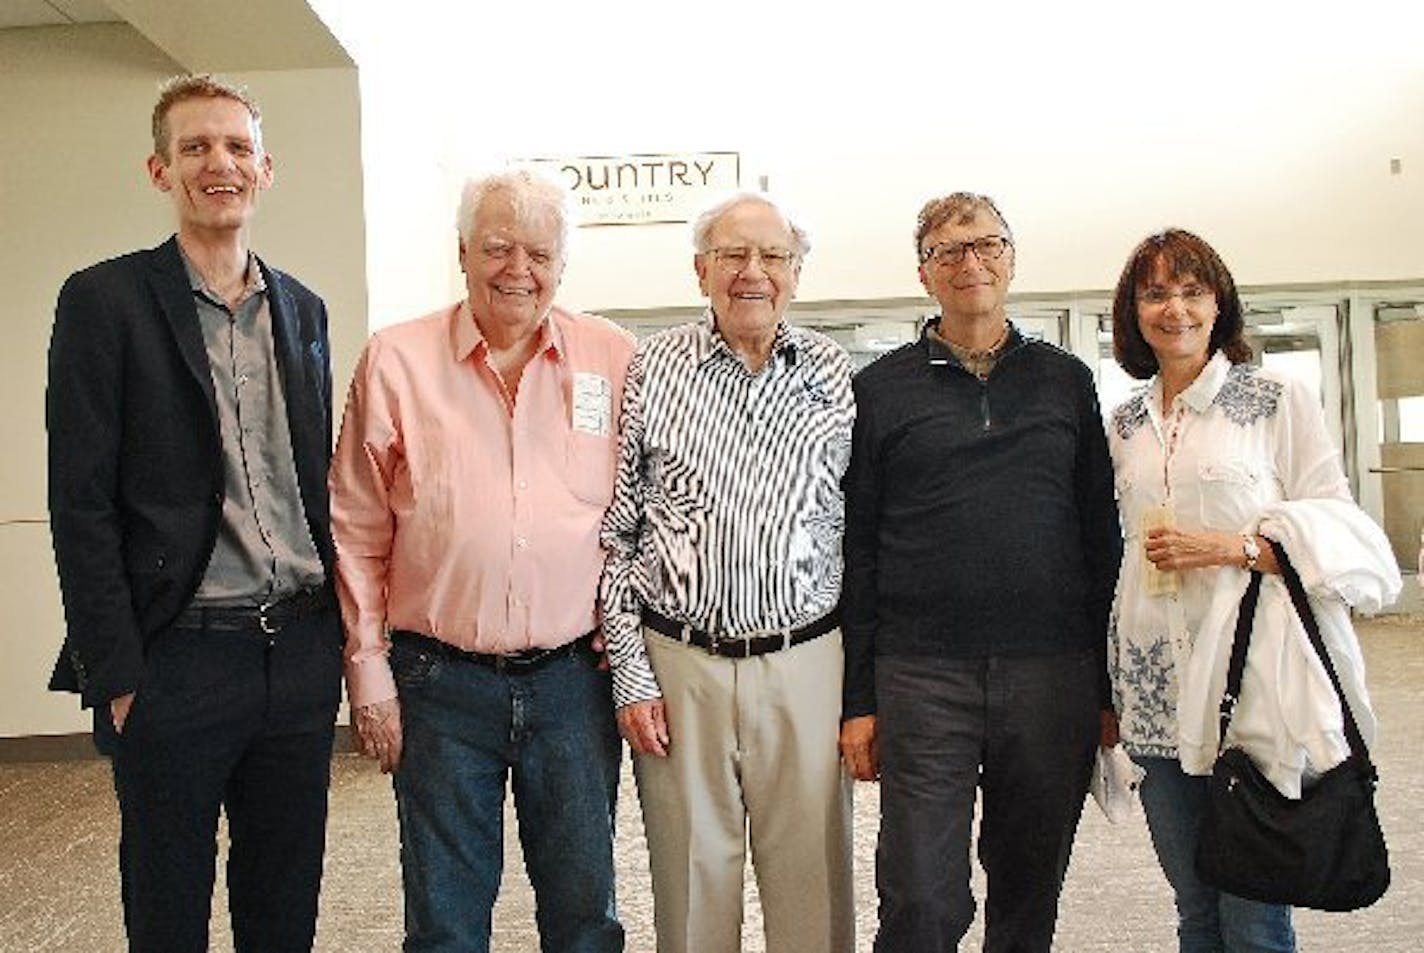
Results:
[189, 419]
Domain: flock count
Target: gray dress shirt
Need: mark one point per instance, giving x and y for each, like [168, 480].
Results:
[264, 549]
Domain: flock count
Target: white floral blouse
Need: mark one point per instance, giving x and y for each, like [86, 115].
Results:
[1236, 440]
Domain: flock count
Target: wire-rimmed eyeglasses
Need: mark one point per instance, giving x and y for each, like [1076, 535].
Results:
[738, 258]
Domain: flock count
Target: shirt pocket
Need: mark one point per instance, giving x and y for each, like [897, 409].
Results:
[589, 464]
[1230, 492]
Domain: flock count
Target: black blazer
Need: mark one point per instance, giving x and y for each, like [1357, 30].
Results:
[135, 457]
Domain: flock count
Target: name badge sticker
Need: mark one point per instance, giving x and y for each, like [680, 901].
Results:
[593, 404]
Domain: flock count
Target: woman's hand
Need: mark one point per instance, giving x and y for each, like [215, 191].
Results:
[1172, 549]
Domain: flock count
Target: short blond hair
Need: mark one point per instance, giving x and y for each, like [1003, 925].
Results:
[196, 86]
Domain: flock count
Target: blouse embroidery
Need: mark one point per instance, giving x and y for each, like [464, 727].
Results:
[1246, 397]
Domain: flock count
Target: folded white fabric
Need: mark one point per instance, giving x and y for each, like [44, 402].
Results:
[1288, 718]
[1114, 783]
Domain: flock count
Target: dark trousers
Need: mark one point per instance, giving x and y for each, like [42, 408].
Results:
[1021, 730]
[224, 720]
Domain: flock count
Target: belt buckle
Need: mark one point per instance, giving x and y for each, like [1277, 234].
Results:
[264, 623]
[743, 649]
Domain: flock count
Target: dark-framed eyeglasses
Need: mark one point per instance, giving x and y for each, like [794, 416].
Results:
[987, 248]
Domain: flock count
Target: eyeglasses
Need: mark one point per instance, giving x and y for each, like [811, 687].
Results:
[1190, 295]
[987, 248]
[738, 258]
[503, 251]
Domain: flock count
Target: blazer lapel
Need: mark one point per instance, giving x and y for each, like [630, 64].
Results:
[299, 391]
[175, 300]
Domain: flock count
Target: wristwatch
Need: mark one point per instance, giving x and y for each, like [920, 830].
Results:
[1252, 551]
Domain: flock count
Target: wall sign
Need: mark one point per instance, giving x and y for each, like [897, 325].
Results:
[644, 189]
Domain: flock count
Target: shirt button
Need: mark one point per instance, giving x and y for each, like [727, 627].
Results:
[523, 484]
[522, 543]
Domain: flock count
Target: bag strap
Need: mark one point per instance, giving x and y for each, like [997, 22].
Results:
[1245, 616]
[1312, 629]
[1236, 667]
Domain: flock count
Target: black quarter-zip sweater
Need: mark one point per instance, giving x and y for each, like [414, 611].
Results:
[980, 518]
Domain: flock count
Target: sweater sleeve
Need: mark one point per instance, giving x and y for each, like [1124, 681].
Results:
[860, 548]
[1099, 526]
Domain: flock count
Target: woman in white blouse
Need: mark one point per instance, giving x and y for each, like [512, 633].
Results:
[1211, 457]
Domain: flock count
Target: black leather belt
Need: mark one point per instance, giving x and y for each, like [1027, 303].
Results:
[741, 646]
[267, 619]
[515, 663]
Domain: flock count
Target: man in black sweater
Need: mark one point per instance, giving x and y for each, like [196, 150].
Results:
[982, 546]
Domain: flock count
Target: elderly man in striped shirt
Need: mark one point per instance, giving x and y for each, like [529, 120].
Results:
[720, 593]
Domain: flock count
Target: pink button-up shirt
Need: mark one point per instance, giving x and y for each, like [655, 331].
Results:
[464, 512]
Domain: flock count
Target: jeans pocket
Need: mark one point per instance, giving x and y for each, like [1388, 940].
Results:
[413, 666]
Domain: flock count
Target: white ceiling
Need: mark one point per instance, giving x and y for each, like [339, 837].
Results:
[202, 35]
[21, 13]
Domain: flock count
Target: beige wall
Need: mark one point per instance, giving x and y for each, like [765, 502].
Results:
[74, 106]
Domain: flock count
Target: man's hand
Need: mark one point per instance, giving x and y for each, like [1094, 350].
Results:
[378, 729]
[860, 749]
[600, 648]
[644, 725]
[119, 711]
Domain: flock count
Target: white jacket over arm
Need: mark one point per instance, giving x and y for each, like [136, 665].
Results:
[1288, 718]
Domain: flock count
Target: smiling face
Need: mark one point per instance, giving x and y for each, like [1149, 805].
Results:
[972, 288]
[513, 264]
[214, 165]
[749, 293]
[1176, 314]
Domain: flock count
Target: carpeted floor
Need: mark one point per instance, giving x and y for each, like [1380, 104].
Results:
[58, 880]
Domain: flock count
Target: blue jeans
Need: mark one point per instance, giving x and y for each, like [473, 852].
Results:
[1022, 731]
[467, 730]
[1208, 921]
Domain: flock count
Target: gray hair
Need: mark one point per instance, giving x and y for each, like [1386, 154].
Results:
[531, 192]
[959, 207]
[702, 227]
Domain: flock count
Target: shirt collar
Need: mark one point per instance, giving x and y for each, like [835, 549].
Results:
[939, 353]
[709, 343]
[255, 281]
[1203, 390]
[467, 336]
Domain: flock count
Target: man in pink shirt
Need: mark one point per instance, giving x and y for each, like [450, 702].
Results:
[475, 461]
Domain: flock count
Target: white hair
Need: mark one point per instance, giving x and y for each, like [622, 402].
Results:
[702, 227]
[531, 192]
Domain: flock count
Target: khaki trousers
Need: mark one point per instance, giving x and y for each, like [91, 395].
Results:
[753, 758]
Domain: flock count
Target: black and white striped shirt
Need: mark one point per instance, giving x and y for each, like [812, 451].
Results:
[727, 512]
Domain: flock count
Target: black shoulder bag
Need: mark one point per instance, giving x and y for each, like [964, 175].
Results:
[1325, 851]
